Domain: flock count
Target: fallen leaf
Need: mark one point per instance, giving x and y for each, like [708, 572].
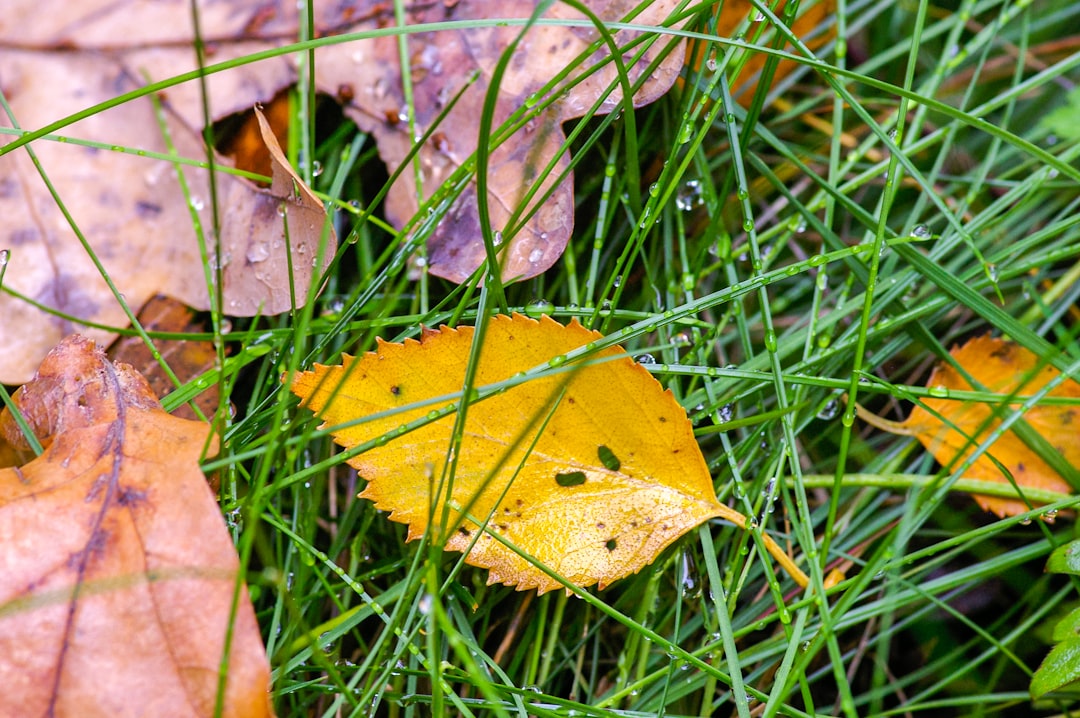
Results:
[810, 27]
[1004, 368]
[441, 64]
[131, 208]
[187, 358]
[592, 471]
[57, 60]
[117, 573]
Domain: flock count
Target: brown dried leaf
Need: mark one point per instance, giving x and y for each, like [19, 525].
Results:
[116, 570]
[58, 59]
[130, 208]
[187, 358]
[368, 74]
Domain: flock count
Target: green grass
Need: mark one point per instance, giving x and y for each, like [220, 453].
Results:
[837, 235]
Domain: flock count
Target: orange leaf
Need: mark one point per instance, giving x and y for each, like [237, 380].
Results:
[591, 471]
[1004, 368]
[116, 571]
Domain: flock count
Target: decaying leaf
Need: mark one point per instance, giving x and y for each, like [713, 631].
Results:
[131, 209]
[591, 471]
[440, 65]
[187, 358]
[1004, 368]
[56, 61]
[116, 570]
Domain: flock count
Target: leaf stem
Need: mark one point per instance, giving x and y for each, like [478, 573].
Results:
[771, 546]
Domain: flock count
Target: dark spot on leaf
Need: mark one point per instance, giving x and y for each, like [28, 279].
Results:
[1020, 468]
[464, 531]
[520, 502]
[395, 390]
[633, 524]
[599, 524]
[610, 545]
[571, 478]
[571, 400]
[1004, 352]
[130, 497]
[1066, 417]
[147, 209]
[608, 458]
[502, 527]
[663, 419]
[345, 93]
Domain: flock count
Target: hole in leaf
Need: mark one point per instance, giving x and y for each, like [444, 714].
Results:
[608, 458]
[571, 478]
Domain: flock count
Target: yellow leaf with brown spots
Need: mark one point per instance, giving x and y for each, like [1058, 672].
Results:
[587, 467]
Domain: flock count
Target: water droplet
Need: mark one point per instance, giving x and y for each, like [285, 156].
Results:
[424, 604]
[197, 204]
[725, 414]
[258, 252]
[531, 100]
[689, 196]
[686, 132]
[829, 411]
[938, 391]
[605, 308]
[742, 193]
[282, 209]
[770, 341]
[226, 326]
[992, 272]
[556, 361]
[711, 64]
[617, 281]
[689, 281]
[748, 224]
[654, 189]
[646, 359]
[497, 238]
[316, 168]
[539, 307]
[920, 231]
[1025, 522]
[536, 255]
[5, 255]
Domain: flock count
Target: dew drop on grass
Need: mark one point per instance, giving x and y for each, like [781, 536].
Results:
[5, 255]
[938, 391]
[689, 196]
[539, 307]
[830, 410]
[646, 359]
[920, 231]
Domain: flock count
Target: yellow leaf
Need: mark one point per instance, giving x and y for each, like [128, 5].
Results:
[591, 471]
[1004, 368]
